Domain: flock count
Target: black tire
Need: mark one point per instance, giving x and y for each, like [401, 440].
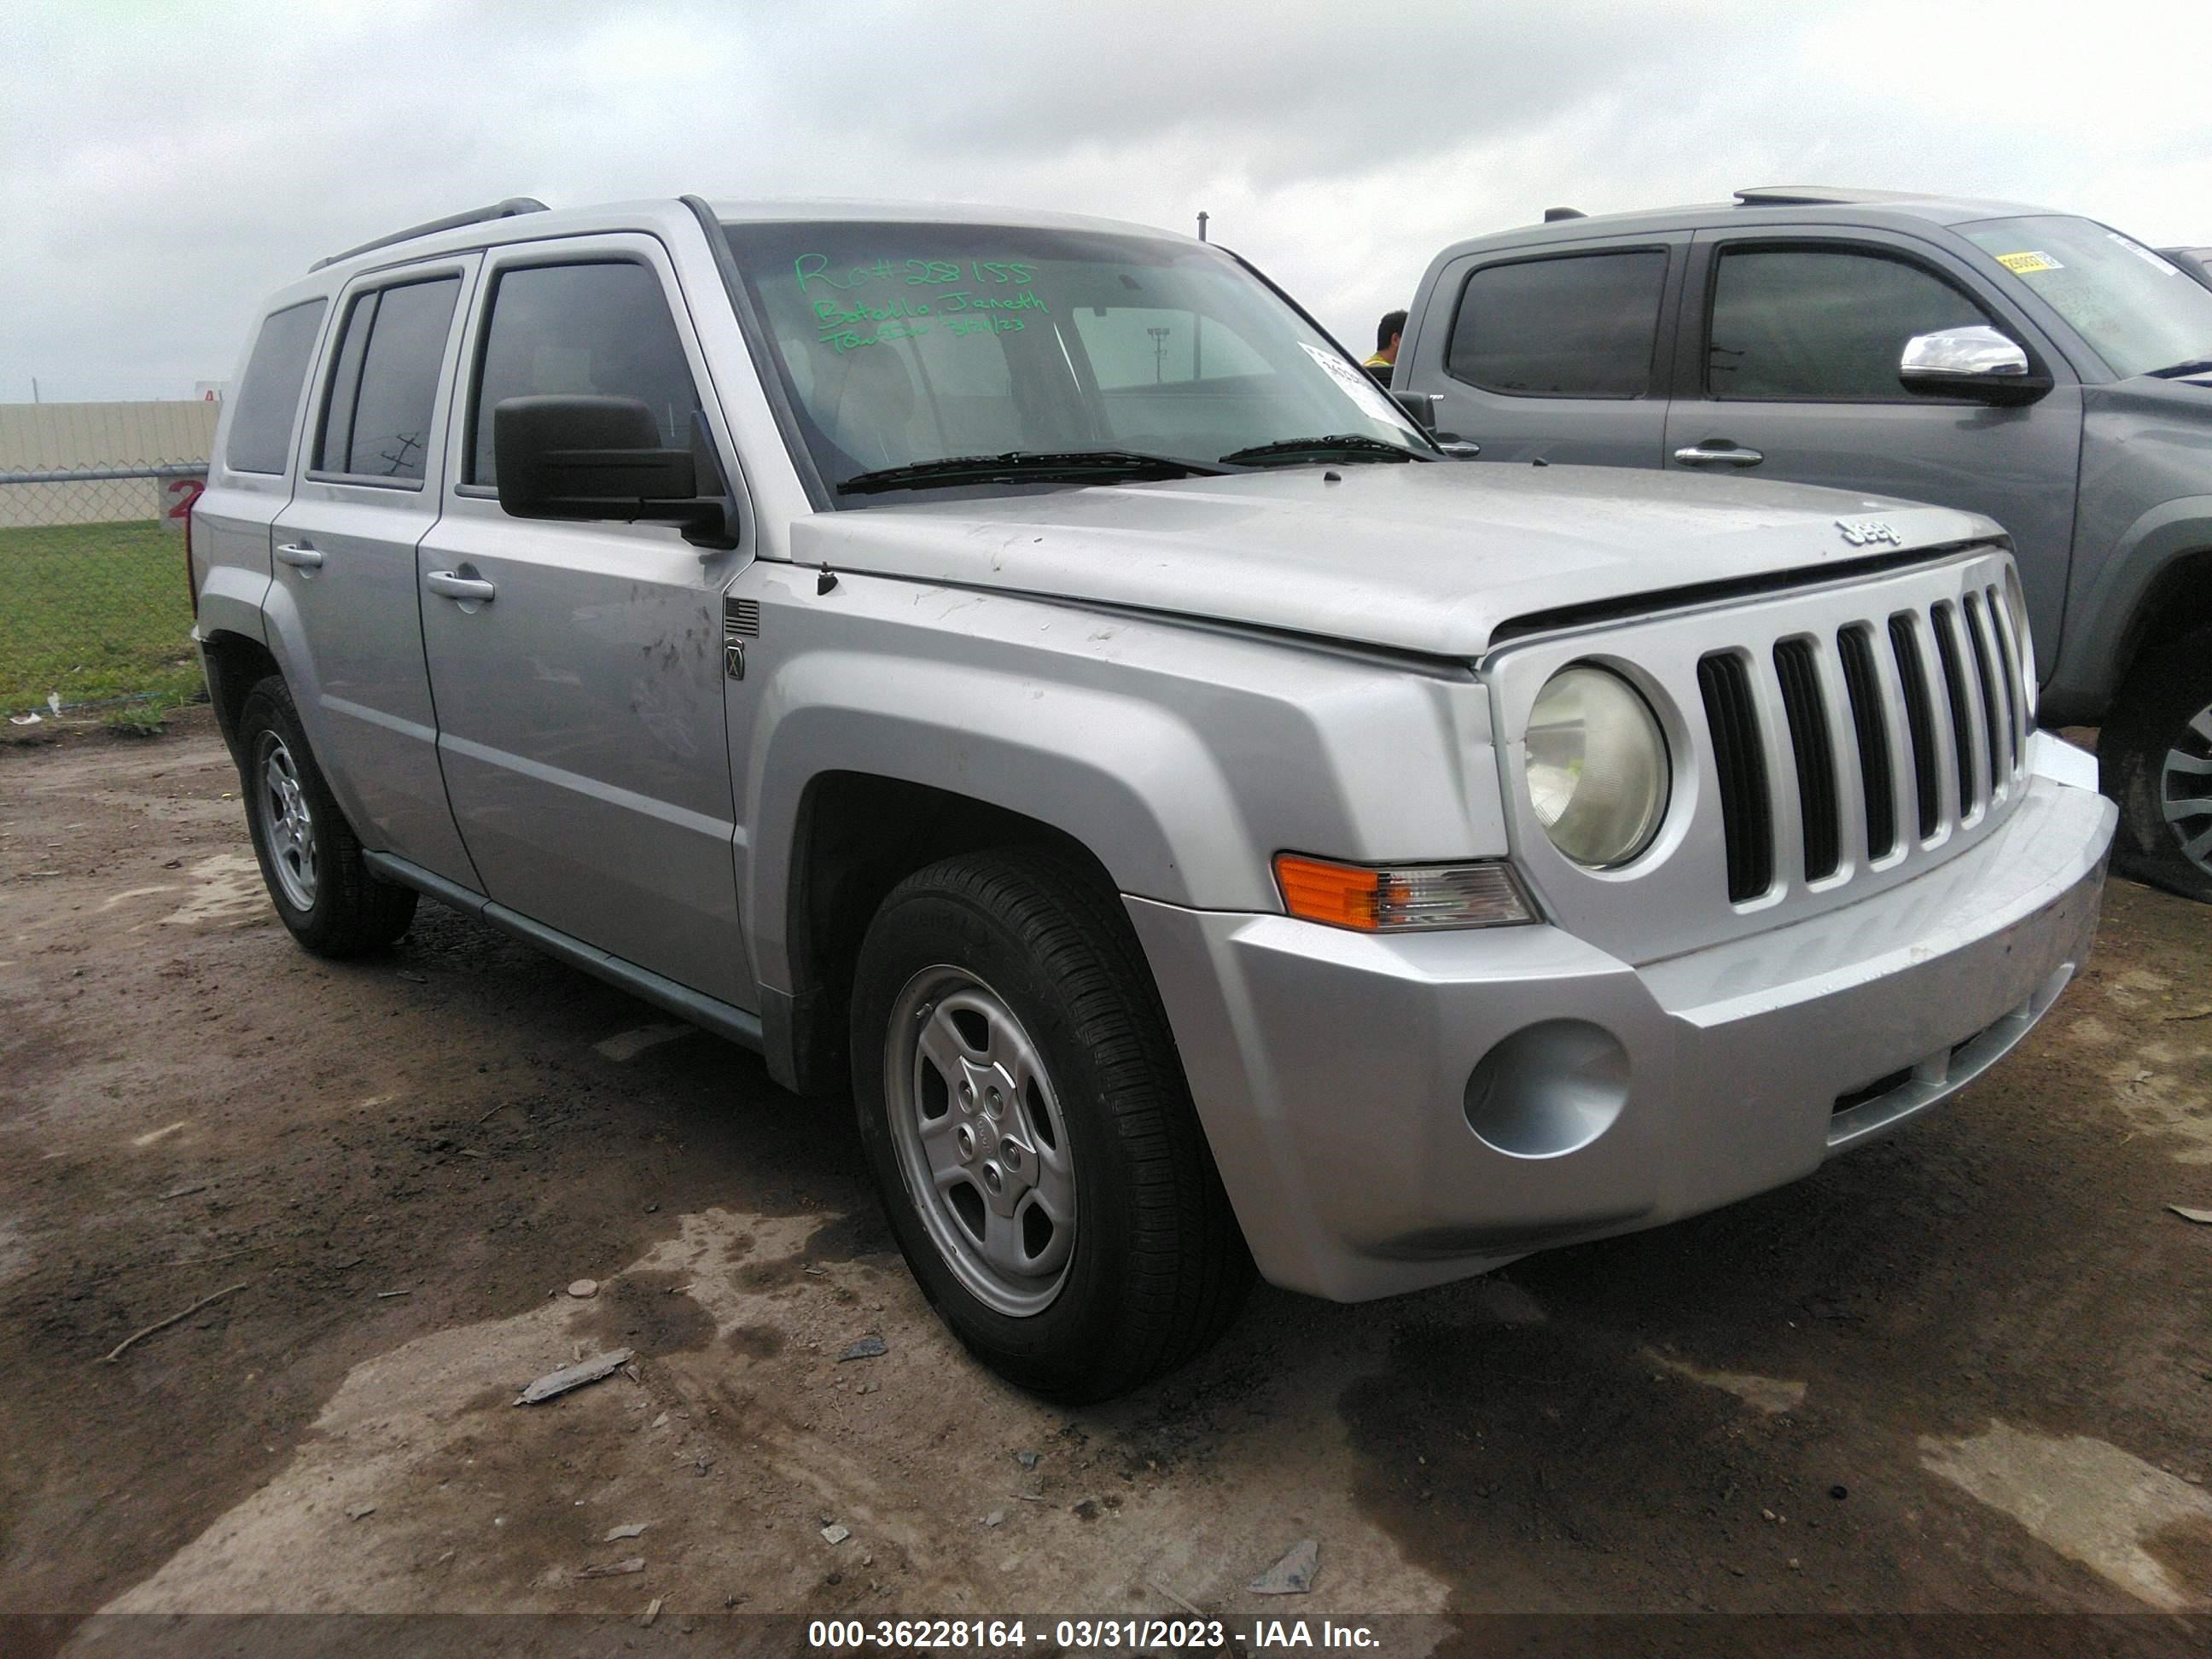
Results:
[346, 911]
[1158, 1267]
[2159, 728]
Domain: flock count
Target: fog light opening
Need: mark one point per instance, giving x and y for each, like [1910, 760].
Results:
[1549, 1089]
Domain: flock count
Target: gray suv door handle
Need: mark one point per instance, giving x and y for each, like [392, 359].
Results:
[455, 587]
[301, 557]
[1718, 452]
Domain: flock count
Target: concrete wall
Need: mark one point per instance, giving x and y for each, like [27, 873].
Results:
[46, 437]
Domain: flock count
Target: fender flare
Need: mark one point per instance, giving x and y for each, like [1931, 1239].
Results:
[1126, 779]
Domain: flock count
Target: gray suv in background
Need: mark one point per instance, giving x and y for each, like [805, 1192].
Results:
[1020, 675]
[2041, 369]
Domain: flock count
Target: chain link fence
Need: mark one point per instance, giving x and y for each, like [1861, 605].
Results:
[94, 607]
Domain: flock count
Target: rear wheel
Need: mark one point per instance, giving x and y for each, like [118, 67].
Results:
[310, 857]
[2155, 758]
[1029, 1128]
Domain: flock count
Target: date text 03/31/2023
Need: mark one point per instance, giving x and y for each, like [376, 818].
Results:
[1011, 1635]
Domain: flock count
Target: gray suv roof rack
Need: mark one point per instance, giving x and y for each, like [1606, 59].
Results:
[507, 209]
[1803, 196]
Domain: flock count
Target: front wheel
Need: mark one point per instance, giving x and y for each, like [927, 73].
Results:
[1030, 1131]
[2155, 760]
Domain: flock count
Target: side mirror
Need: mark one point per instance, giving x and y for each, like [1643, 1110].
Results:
[587, 457]
[1976, 363]
[1421, 405]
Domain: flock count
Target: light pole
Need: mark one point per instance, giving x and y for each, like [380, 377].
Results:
[1197, 324]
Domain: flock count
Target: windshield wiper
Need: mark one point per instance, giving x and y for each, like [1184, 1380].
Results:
[2175, 371]
[1337, 445]
[1025, 466]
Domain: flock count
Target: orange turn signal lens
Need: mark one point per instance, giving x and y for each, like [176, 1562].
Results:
[1374, 900]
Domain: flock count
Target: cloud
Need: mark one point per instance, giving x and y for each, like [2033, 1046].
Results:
[162, 166]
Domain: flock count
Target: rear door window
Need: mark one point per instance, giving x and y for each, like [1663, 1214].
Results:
[383, 394]
[1583, 326]
[601, 329]
[1822, 325]
[269, 394]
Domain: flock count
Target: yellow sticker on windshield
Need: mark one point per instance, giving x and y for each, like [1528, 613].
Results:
[2026, 265]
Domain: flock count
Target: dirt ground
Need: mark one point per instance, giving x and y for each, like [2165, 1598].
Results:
[1968, 1369]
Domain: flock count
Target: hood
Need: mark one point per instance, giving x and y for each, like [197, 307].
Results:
[1429, 558]
[2184, 397]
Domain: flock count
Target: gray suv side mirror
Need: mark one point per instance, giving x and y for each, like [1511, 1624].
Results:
[590, 458]
[1976, 363]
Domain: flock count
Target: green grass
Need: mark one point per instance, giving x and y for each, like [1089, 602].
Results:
[93, 611]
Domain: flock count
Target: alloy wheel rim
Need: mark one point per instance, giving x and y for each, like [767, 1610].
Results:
[982, 1142]
[291, 825]
[2185, 790]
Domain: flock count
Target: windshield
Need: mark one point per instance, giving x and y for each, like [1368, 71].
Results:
[902, 344]
[2140, 311]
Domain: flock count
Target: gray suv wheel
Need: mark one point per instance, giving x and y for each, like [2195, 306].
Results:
[1029, 1128]
[310, 858]
[2156, 755]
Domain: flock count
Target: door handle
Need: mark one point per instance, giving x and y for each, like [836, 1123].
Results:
[454, 586]
[1718, 452]
[301, 557]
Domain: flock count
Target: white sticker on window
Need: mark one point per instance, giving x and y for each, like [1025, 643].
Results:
[1369, 396]
[2167, 266]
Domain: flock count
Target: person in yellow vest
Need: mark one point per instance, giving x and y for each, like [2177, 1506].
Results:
[1388, 333]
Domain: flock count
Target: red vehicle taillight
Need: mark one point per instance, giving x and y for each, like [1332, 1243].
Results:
[191, 586]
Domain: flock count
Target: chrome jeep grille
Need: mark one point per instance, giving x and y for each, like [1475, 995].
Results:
[1947, 672]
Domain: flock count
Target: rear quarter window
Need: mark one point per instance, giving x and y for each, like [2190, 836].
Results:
[269, 394]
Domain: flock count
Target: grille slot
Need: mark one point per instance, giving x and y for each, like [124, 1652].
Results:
[1815, 753]
[2009, 671]
[1740, 766]
[1919, 720]
[1978, 637]
[1942, 620]
[1877, 783]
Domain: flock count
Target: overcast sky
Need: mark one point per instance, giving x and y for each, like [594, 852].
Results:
[163, 166]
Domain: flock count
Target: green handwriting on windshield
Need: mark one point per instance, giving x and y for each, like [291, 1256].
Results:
[967, 297]
[843, 336]
[846, 324]
[812, 267]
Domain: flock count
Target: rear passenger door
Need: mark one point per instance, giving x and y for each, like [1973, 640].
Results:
[579, 666]
[343, 604]
[1560, 353]
[1789, 370]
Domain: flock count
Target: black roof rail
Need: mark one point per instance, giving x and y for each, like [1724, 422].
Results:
[507, 209]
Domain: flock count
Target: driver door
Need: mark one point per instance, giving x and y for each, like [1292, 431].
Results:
[1788, 369]
[577, 667]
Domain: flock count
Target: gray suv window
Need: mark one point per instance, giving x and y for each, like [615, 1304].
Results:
[269, 395]
[378, 420]
[1582, 327]
[600, 329]
[1814, 325]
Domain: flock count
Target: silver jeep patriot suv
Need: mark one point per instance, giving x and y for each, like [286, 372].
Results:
[1015, 670]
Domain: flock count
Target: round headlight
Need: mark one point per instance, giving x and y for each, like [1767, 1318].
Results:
[1598, 773]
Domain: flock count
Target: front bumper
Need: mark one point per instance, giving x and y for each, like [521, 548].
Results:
[1392, 1112]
